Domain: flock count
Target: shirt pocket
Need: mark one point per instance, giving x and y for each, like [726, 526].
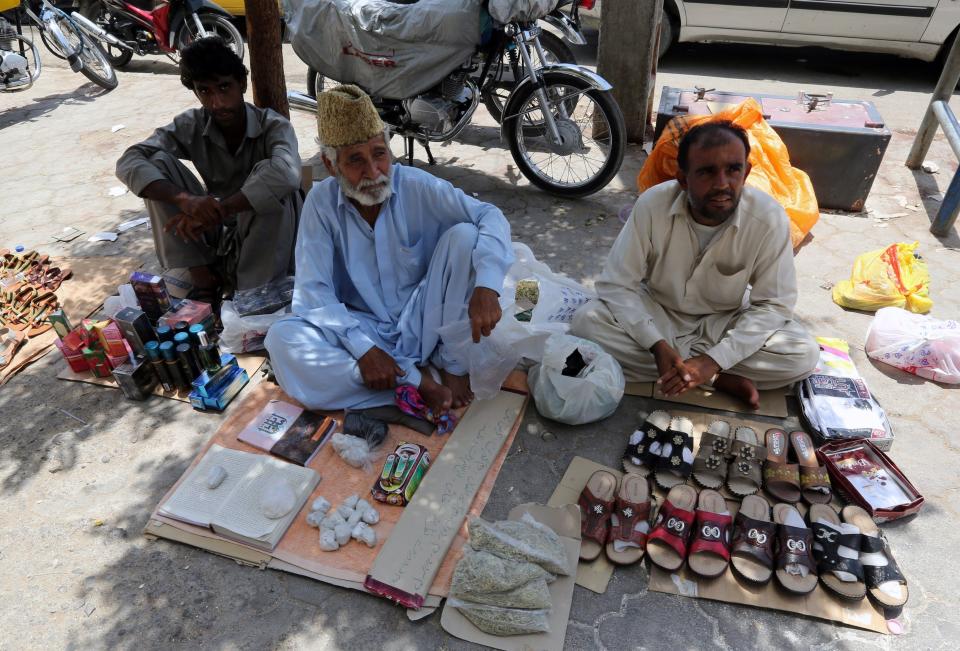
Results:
[723, 288]
[411, 263]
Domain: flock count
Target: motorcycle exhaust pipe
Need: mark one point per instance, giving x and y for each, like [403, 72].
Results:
[301, 101]
[95, 30]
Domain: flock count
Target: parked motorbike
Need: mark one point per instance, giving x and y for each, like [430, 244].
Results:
[564, 129]
[127, 29]
[20, 64]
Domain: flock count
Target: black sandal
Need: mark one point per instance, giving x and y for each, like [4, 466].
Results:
[673, 468]
[637, 458]
[826, 550]
[873, 542]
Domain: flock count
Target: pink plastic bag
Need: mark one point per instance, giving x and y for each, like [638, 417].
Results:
[918, 344]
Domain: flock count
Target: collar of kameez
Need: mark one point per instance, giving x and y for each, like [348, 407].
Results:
[681, 208]
[253, 128]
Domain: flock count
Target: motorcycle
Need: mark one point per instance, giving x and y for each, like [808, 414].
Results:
[565, 131]
[20, 64]
[127, 29]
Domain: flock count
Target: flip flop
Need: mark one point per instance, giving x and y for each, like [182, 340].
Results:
[780, 479]
[710, 549]
[667, 543]
[629, 526]
[753, 540]
[10, 341]
[744, 475]
[794, 551]
[43, 305]
[879, 566]
[837, 553]
[54, 277]
[675, 456]
[710, 464]
[637, 457]
[596, 503]
[814, 480]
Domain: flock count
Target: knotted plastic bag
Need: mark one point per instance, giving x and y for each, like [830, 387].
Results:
[892, 277]
[922, 345]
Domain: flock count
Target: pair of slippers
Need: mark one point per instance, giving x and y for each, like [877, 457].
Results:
[614, 520]
[790, 481]
[663, 447]
[731, 458]
[692, 528]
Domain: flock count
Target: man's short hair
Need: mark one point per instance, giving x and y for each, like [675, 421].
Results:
[710, 134]
[208, 58]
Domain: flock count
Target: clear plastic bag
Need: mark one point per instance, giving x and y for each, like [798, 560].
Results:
[485, 578]
[265, 299]
[594, 393]
[503, 621]
[922, 345]
[244, 334]
[520, 540]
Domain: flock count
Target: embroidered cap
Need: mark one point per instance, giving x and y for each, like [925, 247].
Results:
[346, 116]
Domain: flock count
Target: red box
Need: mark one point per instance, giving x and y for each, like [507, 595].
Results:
[868, 478]
[74, 357]
[97, 359]
[190, 311]
[111, 340]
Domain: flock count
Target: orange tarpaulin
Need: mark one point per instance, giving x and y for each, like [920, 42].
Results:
[769, 158]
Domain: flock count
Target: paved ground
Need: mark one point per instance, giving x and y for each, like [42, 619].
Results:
[65, 582]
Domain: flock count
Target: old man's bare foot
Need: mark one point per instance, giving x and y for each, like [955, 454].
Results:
[739, 387]
[436, 396]
[459, 386]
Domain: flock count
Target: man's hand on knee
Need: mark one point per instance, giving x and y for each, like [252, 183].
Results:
[674, 375]
[198, 214]
[702, 369]
[378, 369]
[484, 312]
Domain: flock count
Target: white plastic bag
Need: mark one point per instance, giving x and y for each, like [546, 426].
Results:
[590, 396]
[244, 334]
[918, 344]
[559, 296]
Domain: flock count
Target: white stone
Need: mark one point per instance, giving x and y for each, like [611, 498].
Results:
[342, 532]
[351, 502]
[314, 518]
[277, 499]
[215, 476]
[328, 540]
[321, 505]
[371, 516]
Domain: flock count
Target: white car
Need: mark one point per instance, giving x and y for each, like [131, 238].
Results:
[919, 29]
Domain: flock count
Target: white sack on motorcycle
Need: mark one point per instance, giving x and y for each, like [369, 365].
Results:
[520, 11]
[390, 50]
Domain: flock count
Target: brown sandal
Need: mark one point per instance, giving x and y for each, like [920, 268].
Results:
[744, 476]
[710, 464]
[10, 341]
[794, 552]
[54, 277]
[814, 480]
[753, 540]
[780, 479]
[596, 502]
[629, 527]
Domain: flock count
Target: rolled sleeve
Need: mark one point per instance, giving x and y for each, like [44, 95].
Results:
[134, 168]
[274, 178]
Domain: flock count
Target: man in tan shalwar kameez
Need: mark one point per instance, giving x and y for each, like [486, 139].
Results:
[700, 287]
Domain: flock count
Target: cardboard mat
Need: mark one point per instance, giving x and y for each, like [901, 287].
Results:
[80, 296]
[772, 403]
[299, 547]
[249, 362]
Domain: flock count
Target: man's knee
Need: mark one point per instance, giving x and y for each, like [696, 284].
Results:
[588, 319]
[462, 239]
[807, 352]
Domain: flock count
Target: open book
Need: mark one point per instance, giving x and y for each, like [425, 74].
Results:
[232, 508]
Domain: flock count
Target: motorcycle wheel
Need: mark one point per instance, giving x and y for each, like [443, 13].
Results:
[96, 11]
[96, 65]
[496, 93]
[315, 82]
[213, 24]
[593, 136]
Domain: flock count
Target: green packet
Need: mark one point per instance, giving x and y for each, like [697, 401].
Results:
[401, 475]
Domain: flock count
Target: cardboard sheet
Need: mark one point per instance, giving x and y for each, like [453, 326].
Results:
[772, 403]
[593, 575]
[565, 521]
[250, 362]
[93, 280]
[298, 548]
[440, 505]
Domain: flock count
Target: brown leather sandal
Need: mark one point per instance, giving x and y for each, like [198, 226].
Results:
[780, 479]
[710, 464]
[744, 476]
[629, 527]
[814, 480]
[753, 540]
[596, 503]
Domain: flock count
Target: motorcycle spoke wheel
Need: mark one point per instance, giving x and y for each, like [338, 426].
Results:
[214, 25]
[96, 65]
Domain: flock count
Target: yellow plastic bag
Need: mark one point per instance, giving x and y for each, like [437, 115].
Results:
[890, 277]
[769, 158]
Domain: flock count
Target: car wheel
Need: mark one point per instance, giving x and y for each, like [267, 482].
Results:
[668, 32]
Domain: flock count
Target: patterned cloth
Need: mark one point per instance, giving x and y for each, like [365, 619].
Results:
[410, 401]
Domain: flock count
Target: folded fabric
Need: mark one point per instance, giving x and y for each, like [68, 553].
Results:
[409, 400]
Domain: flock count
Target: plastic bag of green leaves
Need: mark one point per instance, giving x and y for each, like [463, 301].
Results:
[503, 621]
[484, 578]
[520, 540]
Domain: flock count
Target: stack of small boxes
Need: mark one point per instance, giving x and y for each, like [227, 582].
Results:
[165, 341]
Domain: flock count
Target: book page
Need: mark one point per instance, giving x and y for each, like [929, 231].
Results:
[196, 504]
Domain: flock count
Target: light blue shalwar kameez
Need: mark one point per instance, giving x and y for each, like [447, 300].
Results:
[391, 286]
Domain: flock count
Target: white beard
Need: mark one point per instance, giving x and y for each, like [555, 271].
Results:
[368, 192]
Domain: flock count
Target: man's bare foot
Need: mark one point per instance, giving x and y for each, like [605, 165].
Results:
[739, 387]
[436, 396]
[459, 385]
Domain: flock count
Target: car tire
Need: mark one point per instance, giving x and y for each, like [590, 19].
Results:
[669, 29]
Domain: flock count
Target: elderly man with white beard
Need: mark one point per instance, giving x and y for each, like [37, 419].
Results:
[385, 256]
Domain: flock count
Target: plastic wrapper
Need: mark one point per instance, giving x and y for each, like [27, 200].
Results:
[265, 299]
[890, 277]
[245, 334]
[592, 394]
[503, 621]
[522, 11]
[520, 540]
[922, 345]
[486, 578]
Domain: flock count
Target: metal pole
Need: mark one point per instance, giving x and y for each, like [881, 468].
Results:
[942, 93]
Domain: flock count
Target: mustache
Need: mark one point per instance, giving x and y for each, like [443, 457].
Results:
[373, 183]
[720, 194]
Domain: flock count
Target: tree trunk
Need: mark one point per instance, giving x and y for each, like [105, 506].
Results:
[627, 58]
[266, 55]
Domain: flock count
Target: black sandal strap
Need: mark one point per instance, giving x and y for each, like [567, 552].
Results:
[827, 542]
[874, 575]
[675, 463]
[641, 450]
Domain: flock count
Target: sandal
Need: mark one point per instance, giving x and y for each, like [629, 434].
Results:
[675, 455]
[886, 585]
[814, 480]
[18, 308]
[780, 479]
[54, 277]
[637, 457]
[744, 475]
[710, 465]
[596, 502]
[629, 524]
[10, 341]
[43, 305]
[796, 571]
[710, 549]
[667, 543]
[753, 536]
[836, 547]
